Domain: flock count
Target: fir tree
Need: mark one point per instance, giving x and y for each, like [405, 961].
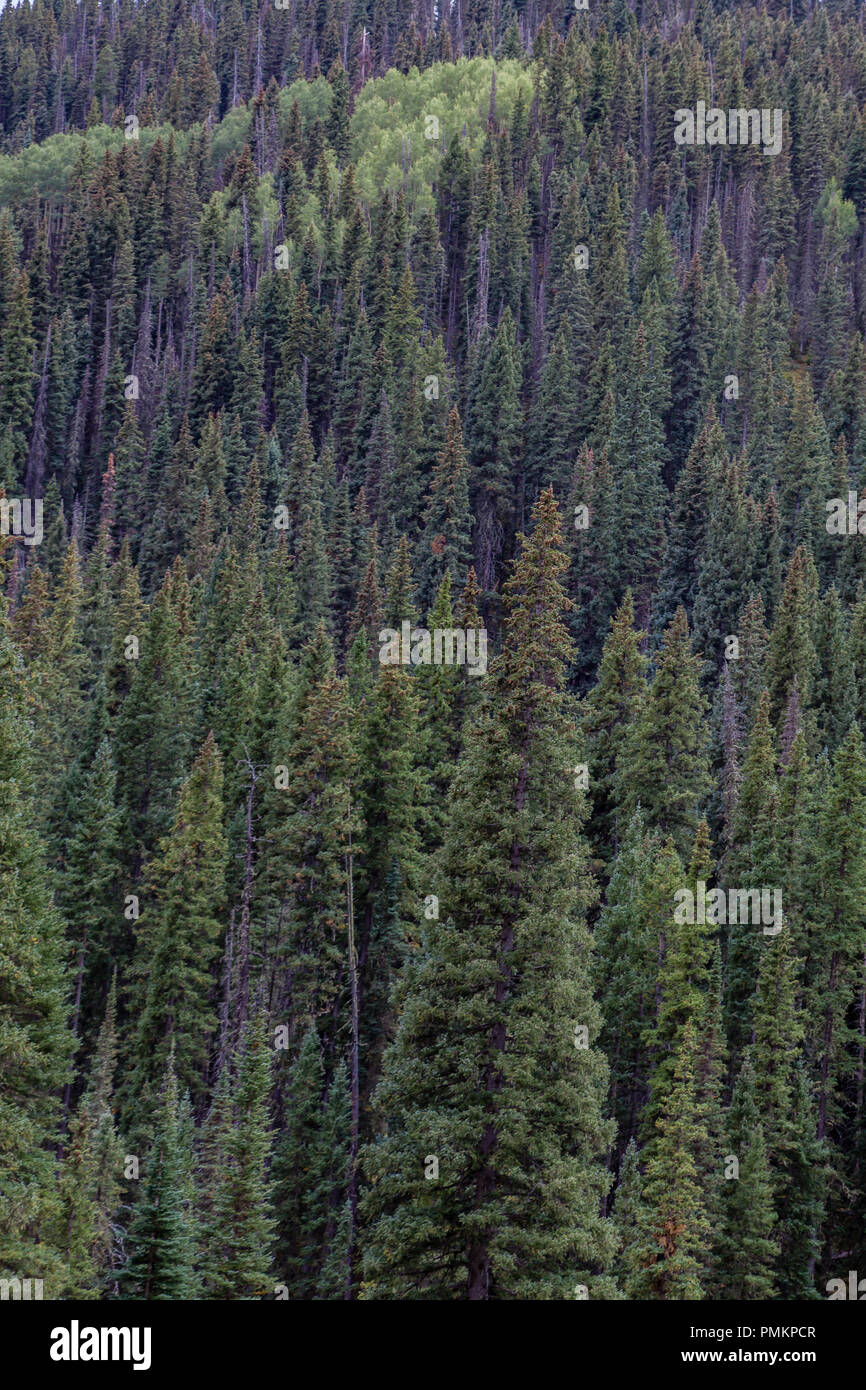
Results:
[674, 1226]
[445, 541]
[36, 1043]
[610, 709]
[663, 767]
[236, 1234]
[179, 933]
[161, 1243]
[747, 1246]
[508, 938]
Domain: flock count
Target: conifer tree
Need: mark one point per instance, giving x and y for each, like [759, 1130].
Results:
[794, 848]
[747, 1246]
[675, 1227]
[638, 455]
[690, 360]
[627, 1216]
[35, 1043]
[440, 721]
[153, 729]
[90, 888]
[663, 766]
[639, 899]
[17, 381]
[312, 574]
[748, 675]
[512, 933]
[682, 976]
[610, 709]
[595, 579]
[838, 924]
[835, 684]
[58, 674]
[801, 1209]
[792, 642]
[311, 1175]
[751, 865]
[804, 469]
[493, 446]
[778, 1029]
[179, 933]
[387, 877]
[726, 563]
[236, 1233]
[445, 540]
[161, 1241]
[91, 1176]
[304, 853]
[688, 521]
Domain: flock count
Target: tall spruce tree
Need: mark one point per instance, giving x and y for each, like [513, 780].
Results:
[161, 1240]
[179, 933]
[236, 1231]
[675, 1226]
[485, 1184]
[35, 1042]
[663, 766]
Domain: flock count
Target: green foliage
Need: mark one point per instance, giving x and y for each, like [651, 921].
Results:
[506, 1154]
[394, 110]
[161, 1241]
[35, 1044]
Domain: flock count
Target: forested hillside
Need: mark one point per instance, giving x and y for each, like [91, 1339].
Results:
[339, 960]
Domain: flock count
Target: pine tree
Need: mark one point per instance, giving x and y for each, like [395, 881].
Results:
[304, 855]
[387, 876]
[153, 730]
[751, 864]
[334, 1277]
[312, 572]
[835, 683]
[90, 893]
[512, 935]
[236, 1234]
[311, 1177]
[638, 901]
[299, 1223]
[837, 924]
[161, 1242]
[627, 1216]
[792, 643]
[663, 766]
[595, 580]
[609, 710]
[493, 447]
[57, 675]
[793, 837]
[804, 470]
[440, 721]
[610, 281]
[90, 1180]
[17, 381]
[179, 932]
[445, 541]
[35, 1044]
[801, 1210]
[638, 455]
[675, 1227]
[726, 563]
[748, 1248]
[778, 1029]
[682, 976]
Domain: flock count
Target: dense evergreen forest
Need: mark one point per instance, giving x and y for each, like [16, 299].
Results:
[335, 963]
